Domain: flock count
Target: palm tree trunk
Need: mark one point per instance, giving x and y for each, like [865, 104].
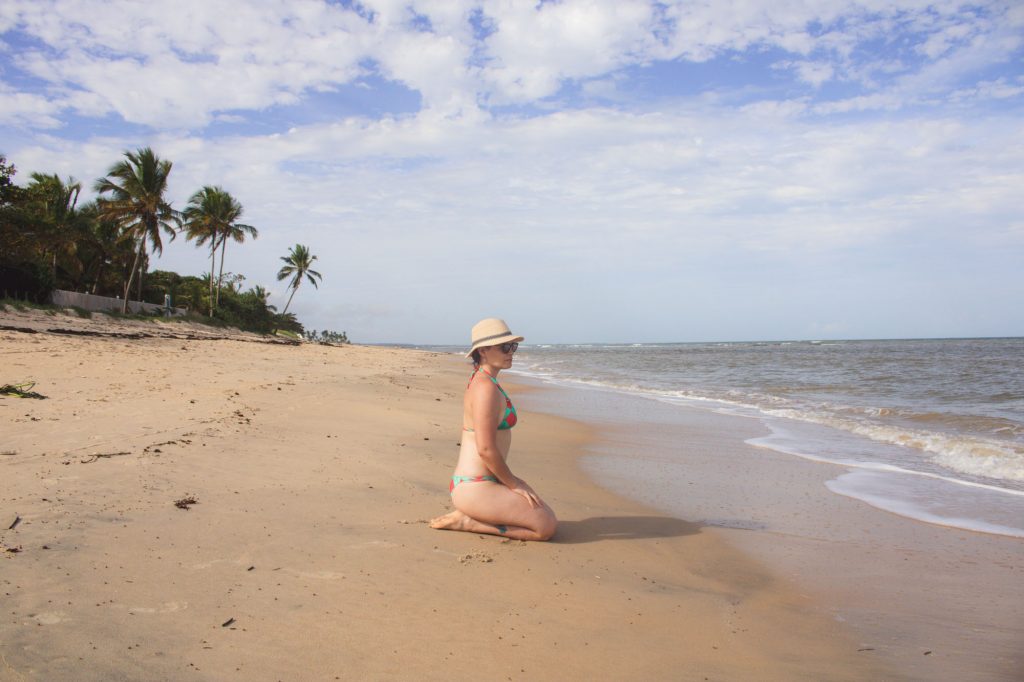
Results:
[138, 292]
[220, 275]
[213, 263]
[294, 289]
[131, 275]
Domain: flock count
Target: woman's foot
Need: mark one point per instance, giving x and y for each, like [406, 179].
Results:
[454, 520]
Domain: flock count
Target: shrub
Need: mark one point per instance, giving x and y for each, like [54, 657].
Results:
[27, 281]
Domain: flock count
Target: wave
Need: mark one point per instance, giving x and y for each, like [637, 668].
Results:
[771, 442]
[969, 454]
[973, 455]
[881, 493]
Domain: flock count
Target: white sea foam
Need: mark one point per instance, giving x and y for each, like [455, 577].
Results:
[888, 492]
[967, 454]
[972, 455]
[906, 416]
[776, 441]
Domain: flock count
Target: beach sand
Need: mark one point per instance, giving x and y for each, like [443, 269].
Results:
[306, 555]
[932, 602]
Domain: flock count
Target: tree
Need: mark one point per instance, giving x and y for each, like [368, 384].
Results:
[136, 186]
[236, 232]
[212, 216]
[298, 264]
[326, 336]
[104, 253]
[54, 203]
[17, 238]
[9, 192]
[263, 295]
[25, 240]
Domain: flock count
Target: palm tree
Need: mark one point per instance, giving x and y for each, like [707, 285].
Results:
[136, 186]
[263, 295]
[236, 232]
[212, 216]
[56, 202]
[103, 248]
[201, 223]
[298, 264]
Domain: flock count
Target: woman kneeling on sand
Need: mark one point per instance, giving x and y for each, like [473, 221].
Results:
[488, 497]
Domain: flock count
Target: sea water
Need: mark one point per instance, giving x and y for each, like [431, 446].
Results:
[928, 429]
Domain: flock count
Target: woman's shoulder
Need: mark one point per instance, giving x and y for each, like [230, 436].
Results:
[481, 386]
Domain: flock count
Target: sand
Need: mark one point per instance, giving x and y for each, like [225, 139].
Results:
[932, 602]
[306, 553]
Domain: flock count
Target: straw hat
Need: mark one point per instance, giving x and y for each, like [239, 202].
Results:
[491, 332]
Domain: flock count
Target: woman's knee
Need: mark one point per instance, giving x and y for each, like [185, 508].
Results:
[547, 527]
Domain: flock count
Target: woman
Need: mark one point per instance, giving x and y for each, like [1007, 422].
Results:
[488, 497]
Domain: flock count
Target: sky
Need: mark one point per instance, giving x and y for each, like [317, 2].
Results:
[590, 171]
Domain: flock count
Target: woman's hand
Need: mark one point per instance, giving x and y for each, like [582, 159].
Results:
[523, 488]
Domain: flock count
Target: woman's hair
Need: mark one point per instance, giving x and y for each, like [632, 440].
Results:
[476, 357]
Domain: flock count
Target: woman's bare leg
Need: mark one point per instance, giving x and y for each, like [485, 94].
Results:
[491, 508]
[447, 521]
[456, 520]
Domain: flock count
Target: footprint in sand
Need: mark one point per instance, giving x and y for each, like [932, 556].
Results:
[316, 575]
[474, 557]
[50, 617]
[166, 607]
[373, 543]
[244, 560]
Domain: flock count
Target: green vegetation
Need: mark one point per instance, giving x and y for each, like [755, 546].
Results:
[327, 336]
[48, 240]
[212, 216]
[298, 264]
[136, 187]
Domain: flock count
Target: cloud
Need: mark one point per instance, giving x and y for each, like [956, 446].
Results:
[1000, 88]
[187, 61]
[847, 152]
[23, 109]
[814, 73]
[547, 182]
[533, 50]
[186, 64]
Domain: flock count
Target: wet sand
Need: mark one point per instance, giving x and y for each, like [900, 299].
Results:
[306, 553]
[931, 602]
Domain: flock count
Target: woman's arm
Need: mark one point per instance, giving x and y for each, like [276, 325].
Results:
[486, 405]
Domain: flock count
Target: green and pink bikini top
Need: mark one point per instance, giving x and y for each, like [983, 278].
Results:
[509, 419]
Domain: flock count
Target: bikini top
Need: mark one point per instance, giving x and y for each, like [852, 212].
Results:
[508, 419]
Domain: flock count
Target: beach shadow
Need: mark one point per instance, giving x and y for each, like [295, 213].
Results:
[601, 528]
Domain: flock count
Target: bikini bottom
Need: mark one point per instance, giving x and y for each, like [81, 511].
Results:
[456, 480]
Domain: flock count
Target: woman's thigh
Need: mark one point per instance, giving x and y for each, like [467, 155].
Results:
[496, 504]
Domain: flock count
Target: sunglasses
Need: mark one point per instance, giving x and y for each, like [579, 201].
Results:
[509, 347]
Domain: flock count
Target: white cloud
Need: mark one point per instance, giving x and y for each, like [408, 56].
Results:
[1000, 88]
[186, 63]
[941, 42]
[24, 109]
[814, 73]
[533, 50]
[611, 172]
[406, 211]
[401, 211]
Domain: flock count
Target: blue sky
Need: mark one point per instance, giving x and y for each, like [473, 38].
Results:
[590, 171]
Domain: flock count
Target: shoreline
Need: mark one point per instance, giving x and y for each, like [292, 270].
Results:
[306, 553]
[905, 587]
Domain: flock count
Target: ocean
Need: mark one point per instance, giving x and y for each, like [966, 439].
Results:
[928, 429]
